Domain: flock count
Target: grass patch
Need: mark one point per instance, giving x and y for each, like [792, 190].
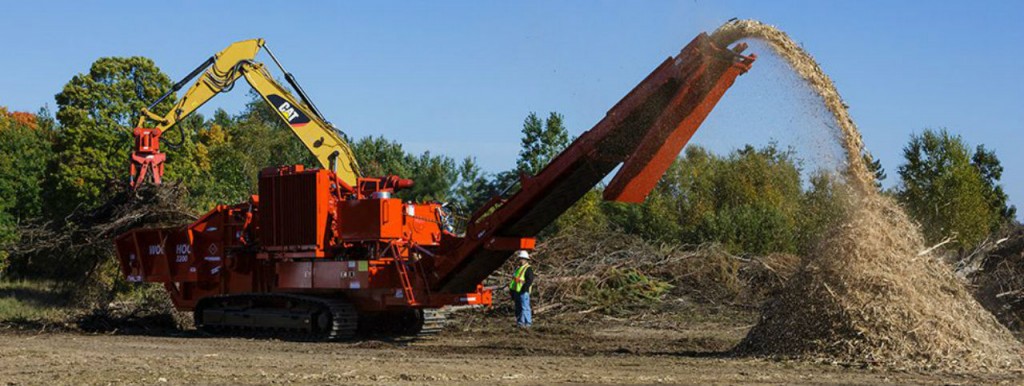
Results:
[26, 302]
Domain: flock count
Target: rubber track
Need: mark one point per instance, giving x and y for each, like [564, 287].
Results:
[344, 318]
[434, 321]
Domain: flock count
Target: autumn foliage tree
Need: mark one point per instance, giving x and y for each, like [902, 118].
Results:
[25, 142]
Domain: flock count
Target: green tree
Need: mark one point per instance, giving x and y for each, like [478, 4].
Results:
[689, 186]
[950, 190]
[587, 214]
[226, 168]
[97, 111]
[541, 142]
[259, 122]
[991, 172]
[757, 195]
[750, 201]
[874, 166]
[472, 188]
[436, 177]
[231, 151]
[380, 157]
[821, 206]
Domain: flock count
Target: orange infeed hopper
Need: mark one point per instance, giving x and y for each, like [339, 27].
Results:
[168, 255]
[192, 257]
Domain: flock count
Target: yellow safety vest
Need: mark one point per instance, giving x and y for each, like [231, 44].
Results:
[518, 279]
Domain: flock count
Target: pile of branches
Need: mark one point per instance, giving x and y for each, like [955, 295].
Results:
[148, 311]
[78, 250]
[998, 279]
[617, 273]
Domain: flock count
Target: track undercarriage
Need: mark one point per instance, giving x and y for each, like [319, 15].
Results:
[308, 318]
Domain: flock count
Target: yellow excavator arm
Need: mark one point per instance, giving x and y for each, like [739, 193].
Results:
[221, 72]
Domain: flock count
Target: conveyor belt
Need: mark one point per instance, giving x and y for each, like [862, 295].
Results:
[646, 130]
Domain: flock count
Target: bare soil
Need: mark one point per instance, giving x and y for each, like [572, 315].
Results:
[479, 349]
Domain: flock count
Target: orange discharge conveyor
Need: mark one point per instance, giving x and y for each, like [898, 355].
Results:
[644, 132]
[314, 256]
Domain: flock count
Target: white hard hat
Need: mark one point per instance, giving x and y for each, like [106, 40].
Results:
[523, 255]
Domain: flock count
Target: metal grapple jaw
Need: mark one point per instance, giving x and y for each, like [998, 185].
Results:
[147, 162]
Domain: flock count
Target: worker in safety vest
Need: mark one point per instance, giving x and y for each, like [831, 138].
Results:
[522, 282]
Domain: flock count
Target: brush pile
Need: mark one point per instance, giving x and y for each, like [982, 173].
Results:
[79, 250]
[999, 281]
[617, 274]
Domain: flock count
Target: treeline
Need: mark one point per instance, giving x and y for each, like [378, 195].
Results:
[760, 200]
[754, 200]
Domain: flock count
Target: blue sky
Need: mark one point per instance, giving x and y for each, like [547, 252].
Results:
[458, 77]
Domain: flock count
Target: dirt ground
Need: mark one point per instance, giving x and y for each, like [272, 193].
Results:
[477, 350]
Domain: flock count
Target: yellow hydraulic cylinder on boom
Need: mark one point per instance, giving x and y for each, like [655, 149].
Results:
[219, 74]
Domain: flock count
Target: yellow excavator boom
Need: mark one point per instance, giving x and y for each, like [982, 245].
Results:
[221, 71]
